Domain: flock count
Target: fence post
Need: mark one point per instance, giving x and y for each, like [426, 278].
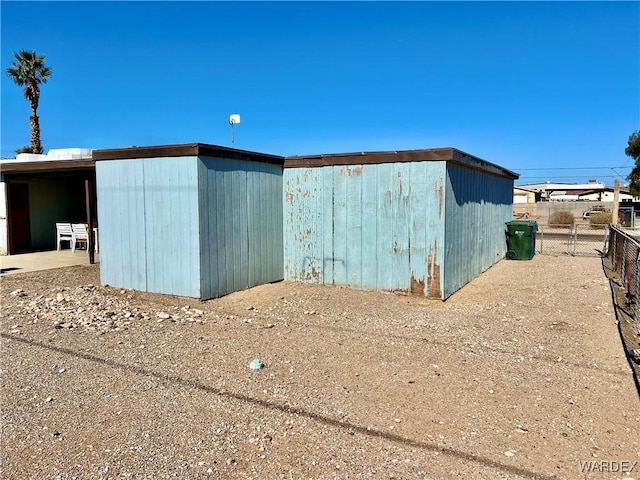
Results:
[624, 260]
[615, 249]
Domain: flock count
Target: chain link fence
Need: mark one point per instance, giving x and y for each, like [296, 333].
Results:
[623, 257]
[574, 240]
[622, 267]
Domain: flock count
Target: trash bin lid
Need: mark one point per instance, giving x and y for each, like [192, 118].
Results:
[525, 223]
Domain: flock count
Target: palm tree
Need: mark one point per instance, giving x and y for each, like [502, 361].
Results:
[29, 70]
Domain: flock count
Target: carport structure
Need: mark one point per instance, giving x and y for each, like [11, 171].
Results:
[35, 194]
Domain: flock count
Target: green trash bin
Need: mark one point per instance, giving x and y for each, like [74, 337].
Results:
[521, 239]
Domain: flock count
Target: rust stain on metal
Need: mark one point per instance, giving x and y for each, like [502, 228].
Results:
[310, 273]
[396, 291]
[351, 171]
[289, 197]
[388, 198]
[440, 201]
[433, 291]
[315, 274]
[417, 286]
[433, 274]
[396, 248]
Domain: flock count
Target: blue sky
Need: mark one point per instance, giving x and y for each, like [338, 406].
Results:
[548, 89]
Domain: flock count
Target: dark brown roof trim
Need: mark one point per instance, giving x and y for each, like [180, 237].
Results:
[185, 150]
[467, 160]
[46, 166]
[365, 158]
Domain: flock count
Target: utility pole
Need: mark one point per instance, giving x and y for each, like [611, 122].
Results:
[616, 200]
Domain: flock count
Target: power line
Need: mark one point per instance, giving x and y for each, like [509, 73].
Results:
[565, 179]
[609, 175]
[568, 168]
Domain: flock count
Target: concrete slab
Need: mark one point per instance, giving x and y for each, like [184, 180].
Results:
[31, 262]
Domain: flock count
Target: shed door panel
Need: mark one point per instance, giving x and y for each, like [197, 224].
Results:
[19, 217]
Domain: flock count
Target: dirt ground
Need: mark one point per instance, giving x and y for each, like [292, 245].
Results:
[521, 374]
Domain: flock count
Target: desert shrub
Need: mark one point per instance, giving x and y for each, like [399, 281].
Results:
[562, 218]
[599, 208]
[600, 218]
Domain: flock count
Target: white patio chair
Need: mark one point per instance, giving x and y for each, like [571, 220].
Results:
[64, 233]
[80, 235]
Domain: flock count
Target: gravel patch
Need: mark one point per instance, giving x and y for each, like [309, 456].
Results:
[521, 374]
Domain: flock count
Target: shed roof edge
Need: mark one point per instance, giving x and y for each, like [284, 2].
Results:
[183, 150]
[447, 154]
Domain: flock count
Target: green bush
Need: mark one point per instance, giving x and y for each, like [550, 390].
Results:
[600, 218]
[562, 218]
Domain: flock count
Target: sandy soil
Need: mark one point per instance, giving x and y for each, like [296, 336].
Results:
[521, 374]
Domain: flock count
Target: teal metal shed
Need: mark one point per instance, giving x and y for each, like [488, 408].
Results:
[194, 220]
[421, 222]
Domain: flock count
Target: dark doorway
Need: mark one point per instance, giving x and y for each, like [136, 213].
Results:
[19, 237]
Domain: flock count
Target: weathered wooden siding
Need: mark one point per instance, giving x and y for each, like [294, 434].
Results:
[241, 224]
[477, 205]
[149, 225]
[375, 227]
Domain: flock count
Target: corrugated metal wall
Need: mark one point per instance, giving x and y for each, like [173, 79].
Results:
[197, 227]
[477, 206]
[149, 225]
[241, 224]
[375, 227]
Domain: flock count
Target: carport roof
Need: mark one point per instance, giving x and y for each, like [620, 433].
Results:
[42, 166]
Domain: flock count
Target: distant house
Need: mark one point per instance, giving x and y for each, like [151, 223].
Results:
[606, 195]
[525, 195]
[572, 192]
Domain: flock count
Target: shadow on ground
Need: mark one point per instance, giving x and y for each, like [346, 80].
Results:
[627, 324]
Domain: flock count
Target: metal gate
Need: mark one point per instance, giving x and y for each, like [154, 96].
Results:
[581, 240]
